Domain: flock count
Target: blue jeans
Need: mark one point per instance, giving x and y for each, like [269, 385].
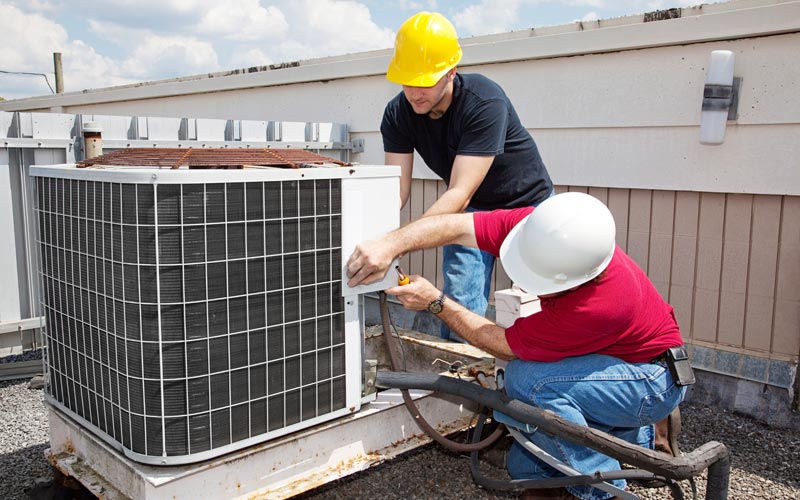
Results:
[467, 278]
[602, 392]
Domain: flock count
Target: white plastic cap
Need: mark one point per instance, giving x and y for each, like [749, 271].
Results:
[92, 127]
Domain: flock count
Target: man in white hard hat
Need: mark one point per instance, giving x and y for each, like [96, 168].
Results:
[467, 131]
[600, 353]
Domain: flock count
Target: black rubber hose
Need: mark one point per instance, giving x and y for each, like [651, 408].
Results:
[394, 358]
[561, 481]
[675, 468]
[719, 475]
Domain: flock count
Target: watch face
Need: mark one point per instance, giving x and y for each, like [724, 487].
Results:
[435, 306]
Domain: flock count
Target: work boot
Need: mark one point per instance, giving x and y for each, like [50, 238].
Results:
[666, 441]
[667, 430]
[547, 494]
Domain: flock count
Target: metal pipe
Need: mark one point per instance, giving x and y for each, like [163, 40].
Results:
[92, 140]
[59, 72]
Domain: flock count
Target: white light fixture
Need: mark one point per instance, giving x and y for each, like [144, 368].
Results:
[720, 97]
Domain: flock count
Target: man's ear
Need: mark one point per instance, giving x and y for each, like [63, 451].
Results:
[451, 74]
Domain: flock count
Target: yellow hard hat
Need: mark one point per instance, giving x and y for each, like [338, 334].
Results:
[426, 47]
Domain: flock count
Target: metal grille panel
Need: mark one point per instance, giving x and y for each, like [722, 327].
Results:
[184, 318]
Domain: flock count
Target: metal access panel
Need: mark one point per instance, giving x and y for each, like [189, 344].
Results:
[190, 313]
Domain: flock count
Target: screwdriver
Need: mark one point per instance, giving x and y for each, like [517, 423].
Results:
[402, 279]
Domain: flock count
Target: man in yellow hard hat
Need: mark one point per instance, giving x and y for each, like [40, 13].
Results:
[466, 130]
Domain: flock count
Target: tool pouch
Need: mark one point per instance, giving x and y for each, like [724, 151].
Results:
[679, 367]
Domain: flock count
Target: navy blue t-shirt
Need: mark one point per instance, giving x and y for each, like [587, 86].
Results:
[481, 121]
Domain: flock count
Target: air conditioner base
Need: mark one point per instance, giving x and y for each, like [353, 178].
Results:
[280, 468]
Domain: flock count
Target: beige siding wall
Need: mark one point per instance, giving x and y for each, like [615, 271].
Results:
[728, 263]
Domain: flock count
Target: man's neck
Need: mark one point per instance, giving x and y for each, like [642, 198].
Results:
[443, 105]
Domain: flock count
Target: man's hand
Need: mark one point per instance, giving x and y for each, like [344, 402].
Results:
[368, 263]
[416, 295]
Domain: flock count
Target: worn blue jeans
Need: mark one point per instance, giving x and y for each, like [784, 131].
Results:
[603, 392]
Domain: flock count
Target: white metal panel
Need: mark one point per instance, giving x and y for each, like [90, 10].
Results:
[370, 209]
[50, 156]
[754, 159]
[650, 88]
[292, 131]
[25, 125]
[210, 129]
[9, 293]
[51, 126]
[141, 125]
[252, 130]
[5, 124]
[163, 128]
[114, 127]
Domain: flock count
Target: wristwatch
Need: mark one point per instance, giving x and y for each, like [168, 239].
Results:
[435, 307]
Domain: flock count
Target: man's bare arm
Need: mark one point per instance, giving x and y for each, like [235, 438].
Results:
[465, 178]
[371, 259]
[406, 162]
[473, 328]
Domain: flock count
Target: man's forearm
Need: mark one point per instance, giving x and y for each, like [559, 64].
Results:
[432, 232]
[451, 202]
[477, 330]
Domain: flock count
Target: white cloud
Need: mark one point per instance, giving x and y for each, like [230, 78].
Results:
[330, 27]
[169, 56]
[597, 4]
[28, 40]
[84, 68]
[247, 58]
[247, 21]
[410, 5]
[38, 6]
[164, 16]
[124, 41]
[117, 34]
[27, 45]
[488, 16]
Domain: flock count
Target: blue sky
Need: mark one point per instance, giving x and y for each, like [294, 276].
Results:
[117, 42]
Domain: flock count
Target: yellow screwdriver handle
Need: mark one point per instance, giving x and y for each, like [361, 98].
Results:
[402, 279]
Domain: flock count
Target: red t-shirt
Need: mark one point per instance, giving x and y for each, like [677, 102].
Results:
[622, 315]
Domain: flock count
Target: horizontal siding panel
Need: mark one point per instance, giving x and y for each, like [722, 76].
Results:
[728, 264]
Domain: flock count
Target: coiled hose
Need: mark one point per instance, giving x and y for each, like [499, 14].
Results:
[394, 358]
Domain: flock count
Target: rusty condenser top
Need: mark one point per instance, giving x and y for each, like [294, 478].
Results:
[210, 158]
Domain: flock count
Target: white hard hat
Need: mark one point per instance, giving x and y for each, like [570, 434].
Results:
[566, 241]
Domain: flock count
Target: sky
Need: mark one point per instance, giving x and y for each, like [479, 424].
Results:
[117, 42]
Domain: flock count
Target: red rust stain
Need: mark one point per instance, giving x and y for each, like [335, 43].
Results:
[68, 446]
[205, 158]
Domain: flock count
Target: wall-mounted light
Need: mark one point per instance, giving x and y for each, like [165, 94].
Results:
[720, 97]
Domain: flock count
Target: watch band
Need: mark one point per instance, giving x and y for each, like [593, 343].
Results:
[436, 306]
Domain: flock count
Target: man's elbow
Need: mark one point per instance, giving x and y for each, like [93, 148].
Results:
[506, 356]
